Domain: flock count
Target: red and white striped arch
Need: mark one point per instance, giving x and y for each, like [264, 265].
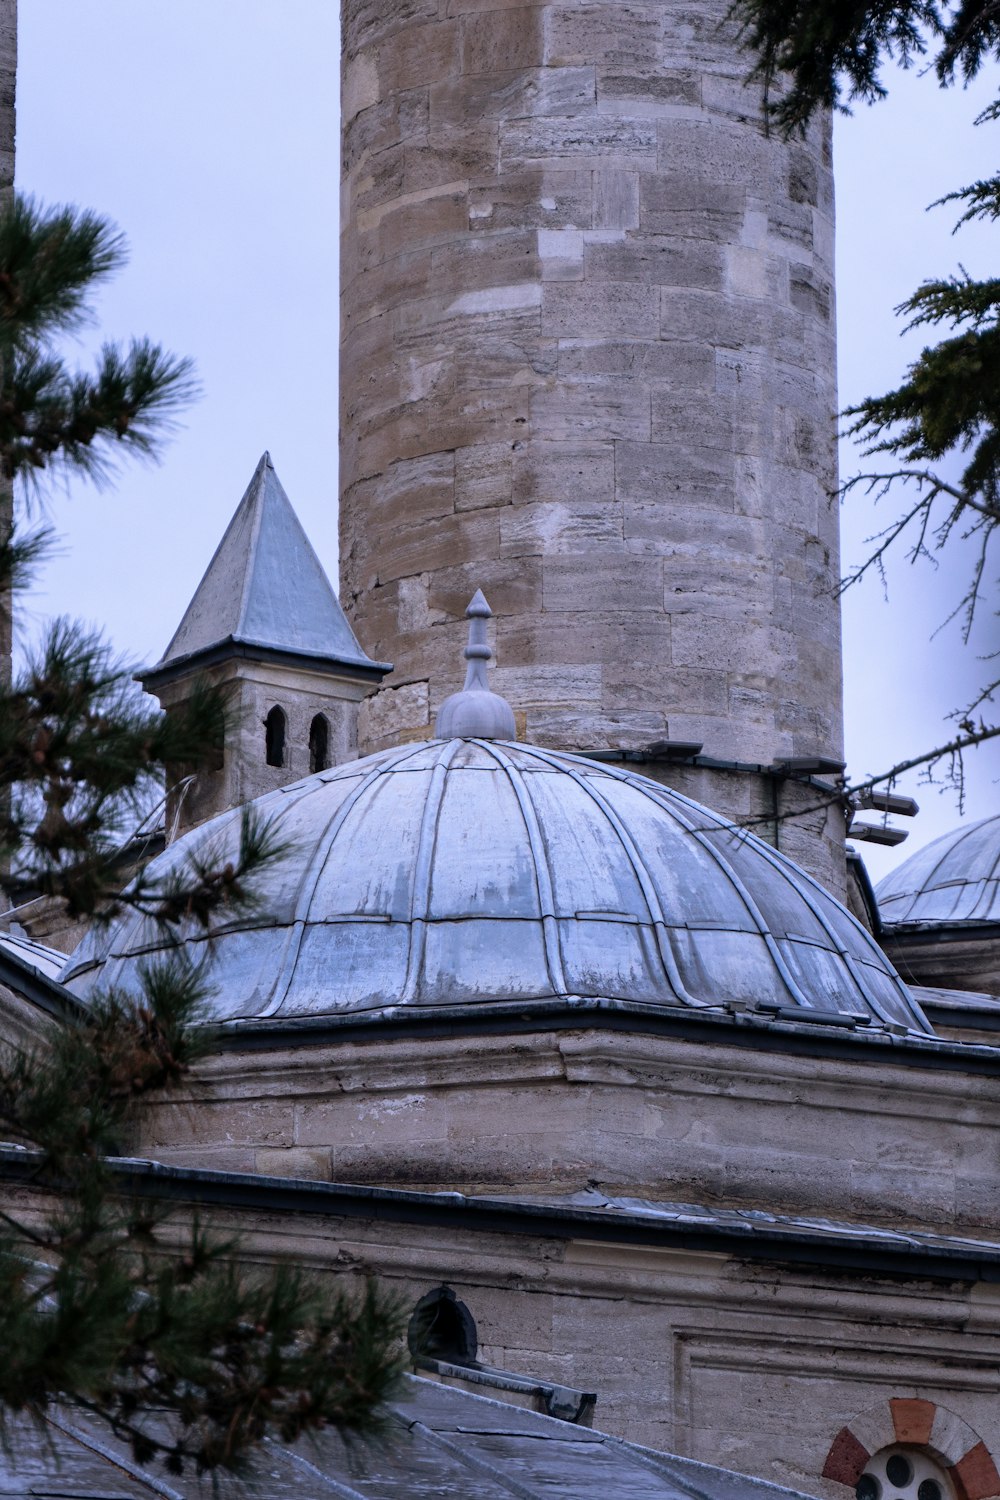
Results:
[923, 1424]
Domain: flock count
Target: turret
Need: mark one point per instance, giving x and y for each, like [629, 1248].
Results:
[265, 626]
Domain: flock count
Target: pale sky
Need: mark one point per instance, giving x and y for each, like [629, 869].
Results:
[208, 130]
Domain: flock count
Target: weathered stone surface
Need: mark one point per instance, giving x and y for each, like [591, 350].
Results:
[584, 288]
[546, 198]
[776, 1129]
[661, 360]
[552, 526]
[611, 308]
[598, 140]
[583, 472]
[591, 409]
[657, 260]
[483, 476]
[8, 76]
[506, 96]
[382, 717]
[649, 87]
[620, 34]
[502, 40]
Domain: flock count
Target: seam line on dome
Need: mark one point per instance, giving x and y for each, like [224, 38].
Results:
[987, 898]
[554, 965]
[420, 892]
[953, 844]
[307, 887]
[867, 994]
[804, 884]
[112, 964]
[640, 870]
[738, 885]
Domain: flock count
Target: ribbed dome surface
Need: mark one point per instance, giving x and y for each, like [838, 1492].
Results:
[464, 871]
[955, 879]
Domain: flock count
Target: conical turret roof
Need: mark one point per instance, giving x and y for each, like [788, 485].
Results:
[265, 588]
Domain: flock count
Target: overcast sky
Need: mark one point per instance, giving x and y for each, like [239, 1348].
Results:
[208, 130]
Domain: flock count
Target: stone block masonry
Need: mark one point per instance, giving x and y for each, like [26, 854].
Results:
[8, 72]
[588, 366]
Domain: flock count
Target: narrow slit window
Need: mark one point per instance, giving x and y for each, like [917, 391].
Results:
[319, 744]
[274, 737]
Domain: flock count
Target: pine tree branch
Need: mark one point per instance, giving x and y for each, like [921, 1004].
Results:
[51, 261]
[53, 419]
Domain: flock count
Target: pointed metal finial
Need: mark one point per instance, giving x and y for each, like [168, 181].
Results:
[476, 713]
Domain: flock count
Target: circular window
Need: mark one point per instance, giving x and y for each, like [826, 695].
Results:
[898, 1470]
[904, 1474]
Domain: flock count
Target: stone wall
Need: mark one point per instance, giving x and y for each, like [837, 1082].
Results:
[958, 956]
[757, 1367]
[856, 1138]
[8, 78]
[588, 365]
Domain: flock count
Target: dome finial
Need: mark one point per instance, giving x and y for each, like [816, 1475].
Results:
[476, 713]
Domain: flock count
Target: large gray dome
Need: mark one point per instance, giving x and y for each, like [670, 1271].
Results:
[461, 871]
[954, 879]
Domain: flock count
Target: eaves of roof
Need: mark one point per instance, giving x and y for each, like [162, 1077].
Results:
[744, 1234]
[360, 669]
[791, 1030]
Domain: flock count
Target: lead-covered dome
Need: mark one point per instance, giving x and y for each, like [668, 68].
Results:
[954, 879]
[469, 871]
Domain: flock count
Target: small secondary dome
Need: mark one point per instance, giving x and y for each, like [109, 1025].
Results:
[954, 879]
[471, 871]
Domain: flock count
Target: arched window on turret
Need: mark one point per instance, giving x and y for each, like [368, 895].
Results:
[274, 736]
[319, 743]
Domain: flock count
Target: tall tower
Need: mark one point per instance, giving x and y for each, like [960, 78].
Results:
[588, 364]
[8, 80]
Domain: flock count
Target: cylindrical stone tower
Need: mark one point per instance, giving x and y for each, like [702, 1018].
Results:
[588, 366]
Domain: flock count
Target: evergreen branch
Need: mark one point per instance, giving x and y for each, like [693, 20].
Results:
[937, 485]
[81, 751]
[982, 196]
[51, 418]
[212, 884]
[953, 300]
[810, 56]
[50, 262]
[972, 35]
[110, 1316]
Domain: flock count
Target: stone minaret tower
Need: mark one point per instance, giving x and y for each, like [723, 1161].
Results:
[588, 364]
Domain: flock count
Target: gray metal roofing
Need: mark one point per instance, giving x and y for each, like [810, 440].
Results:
[954, 879]
[457, 872]
[755, 1221]
[960, 1010]
[265, 586]
[438, 1441]
[756, 1236]
[47, 961]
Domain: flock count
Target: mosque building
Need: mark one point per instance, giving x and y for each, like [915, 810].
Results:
[565, 1011]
